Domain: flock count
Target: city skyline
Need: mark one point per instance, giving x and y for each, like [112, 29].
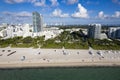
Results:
[61, 11]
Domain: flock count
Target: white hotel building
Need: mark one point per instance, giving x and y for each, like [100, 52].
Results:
[114, 32]
[27, 30]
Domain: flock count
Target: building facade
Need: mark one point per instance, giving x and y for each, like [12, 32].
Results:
[94, 31]
[114, 32]
[37, 22]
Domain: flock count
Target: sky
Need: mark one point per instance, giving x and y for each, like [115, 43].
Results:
[68, 12]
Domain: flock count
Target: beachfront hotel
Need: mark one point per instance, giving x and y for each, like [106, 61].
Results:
[37, 22]
[94, 31]
[114, 32]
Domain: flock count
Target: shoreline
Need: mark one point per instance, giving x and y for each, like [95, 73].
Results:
[57, 65]
[11, 58]
[64, 67]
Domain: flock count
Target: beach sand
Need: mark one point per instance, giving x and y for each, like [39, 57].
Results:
[29, 57]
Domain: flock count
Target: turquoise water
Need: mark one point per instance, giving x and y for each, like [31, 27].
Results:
[83, 73]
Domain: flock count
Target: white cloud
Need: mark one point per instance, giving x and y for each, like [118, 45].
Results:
[116, 15]
[63, 1]
[81, 13]
[18, 14]
[24, 14]
[58, 13]
[17, 17]
[20, 1]
[40, 3]
[32, 1]
[7, 13]
[92, 2]
[54, 2]
[14, 1]
[116, 1]
[101, 15]
[64, 15]
[72, 1]
[35, 2]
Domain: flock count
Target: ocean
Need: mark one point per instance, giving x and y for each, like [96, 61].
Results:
[78, 73]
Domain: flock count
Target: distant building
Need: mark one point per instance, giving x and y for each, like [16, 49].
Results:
[4, 33]
[114, 32]
[25, 30]
[94, 31]
[37, 22]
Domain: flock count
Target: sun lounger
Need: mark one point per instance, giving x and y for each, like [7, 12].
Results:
[11, 53]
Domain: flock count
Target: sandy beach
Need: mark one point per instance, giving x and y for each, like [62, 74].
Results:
[29, 57]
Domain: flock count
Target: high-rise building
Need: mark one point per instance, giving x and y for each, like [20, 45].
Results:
[37, 22]
[114, 32]
[94, 31]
